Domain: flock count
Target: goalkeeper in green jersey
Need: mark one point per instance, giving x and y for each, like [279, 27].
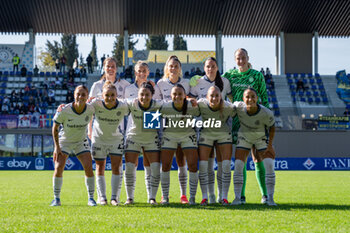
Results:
[240, 79]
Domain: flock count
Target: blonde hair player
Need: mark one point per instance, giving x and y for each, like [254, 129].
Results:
[71, 139]
[107, 139]
[173, 76]
[255, 120]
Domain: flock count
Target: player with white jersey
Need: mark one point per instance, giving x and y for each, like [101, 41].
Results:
[107, 139]
[110, 74]
[138, 138]
[131, 92]
[199, 89]
[176, 133]
[215, 109]
[172, 76]
[255, 121]
[71, 139]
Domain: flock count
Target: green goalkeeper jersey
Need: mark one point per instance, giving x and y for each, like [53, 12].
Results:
[239, 82]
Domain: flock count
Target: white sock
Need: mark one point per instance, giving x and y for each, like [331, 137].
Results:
[226, 178]
[57, 186]
[101, 187]
[121, 172]
[238, 178]
[165, 177]
[155, 178]
[148, 181]
[219, 176]
[182, 172]
[193, 184]
[115, 183]
[130, 178]
[90, 185]
[270, 177]
[203, 178]
[211, 176]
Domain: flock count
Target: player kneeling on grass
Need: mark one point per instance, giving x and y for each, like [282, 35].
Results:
[107, 139]
[215, 108]
[177, 135]
[71, 139]
[254, 119]
[139, 138]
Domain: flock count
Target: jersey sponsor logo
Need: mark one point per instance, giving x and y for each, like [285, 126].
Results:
[309, 164]
[151, 120]
[119, 113]
[120, 89]
[201, 88]
[70, 119]
[337, 164]
[165, 90]
[39, 164]
[257, 122]
[100, 111]
[131, 95]
[87, 118]
[251, 79]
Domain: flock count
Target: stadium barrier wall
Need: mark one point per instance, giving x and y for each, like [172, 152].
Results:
[302, 164]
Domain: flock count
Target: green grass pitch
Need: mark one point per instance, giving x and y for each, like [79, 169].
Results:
[308, 201]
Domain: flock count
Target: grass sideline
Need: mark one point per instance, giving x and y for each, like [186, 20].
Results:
[308, 201]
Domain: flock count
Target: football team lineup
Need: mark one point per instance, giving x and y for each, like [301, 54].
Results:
[214, 118]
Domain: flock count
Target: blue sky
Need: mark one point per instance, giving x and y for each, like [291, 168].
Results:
[334, 53]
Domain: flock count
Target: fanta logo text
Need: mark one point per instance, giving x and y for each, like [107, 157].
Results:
[337, 163]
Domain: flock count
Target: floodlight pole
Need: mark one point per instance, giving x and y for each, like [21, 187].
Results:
[219, 50]
[316, 52]
[126, 49]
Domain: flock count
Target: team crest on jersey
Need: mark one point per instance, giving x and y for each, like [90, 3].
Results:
[87, 118]
[120, 89]
[201, 139]
[251, 79]
[257, 122]
[119, 113]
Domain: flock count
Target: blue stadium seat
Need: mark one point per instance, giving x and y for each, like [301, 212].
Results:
[317, 100]
[348, 106]
[29, 79]
[308, 93]
[325, 100]
[47, 74]
[272, 93]
[301, 93]
[53, 74]
[310, 100]
[6, 73]
[3, 85]
[302, 75]
[18, 73]
[275, 106]
[290, 81]
[277, 112]
[60, 74]
[293, 93]
[309, 75]
[289, 75]
[274, 100]
[305, 81]
[151, 75]
[42, 74]
[294, 99]
[319, 81]
[323, 94]
[321, 87]
[30, 73]
[12, 73]
[295, 75]
[312, 81]
[317, 75]
[302, 99]
[2, 91]
[316, 93]
[313, 87]
[4, 79]
[292, 87]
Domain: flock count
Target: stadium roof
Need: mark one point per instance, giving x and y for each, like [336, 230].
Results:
[185, 17]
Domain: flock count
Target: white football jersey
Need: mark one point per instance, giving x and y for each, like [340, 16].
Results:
[165, 87]
[203, 85]
[223, 116]
[74, 125]
[107, 127]
[176, 123]
[254, 127]
[132, 90]
[120, 84]
[135, 126]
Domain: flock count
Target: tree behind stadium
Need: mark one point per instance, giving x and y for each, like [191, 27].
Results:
[179, 43]
[118, 48]
[154, 42]
[93, 52]
[69, 48]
